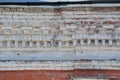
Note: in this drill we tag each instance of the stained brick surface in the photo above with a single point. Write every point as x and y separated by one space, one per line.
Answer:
56 75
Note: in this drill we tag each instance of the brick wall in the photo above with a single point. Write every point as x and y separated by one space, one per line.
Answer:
56 75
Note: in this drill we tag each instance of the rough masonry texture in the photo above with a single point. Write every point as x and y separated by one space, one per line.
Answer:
60 43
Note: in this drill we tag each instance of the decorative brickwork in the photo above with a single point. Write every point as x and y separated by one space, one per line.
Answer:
59 43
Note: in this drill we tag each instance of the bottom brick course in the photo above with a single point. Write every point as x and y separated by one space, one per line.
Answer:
56 74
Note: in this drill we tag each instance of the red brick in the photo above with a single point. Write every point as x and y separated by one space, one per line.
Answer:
55 75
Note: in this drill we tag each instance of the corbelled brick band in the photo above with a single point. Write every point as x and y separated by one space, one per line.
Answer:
79 42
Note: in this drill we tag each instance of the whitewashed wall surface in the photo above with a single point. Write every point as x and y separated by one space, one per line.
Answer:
59 65
63 34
